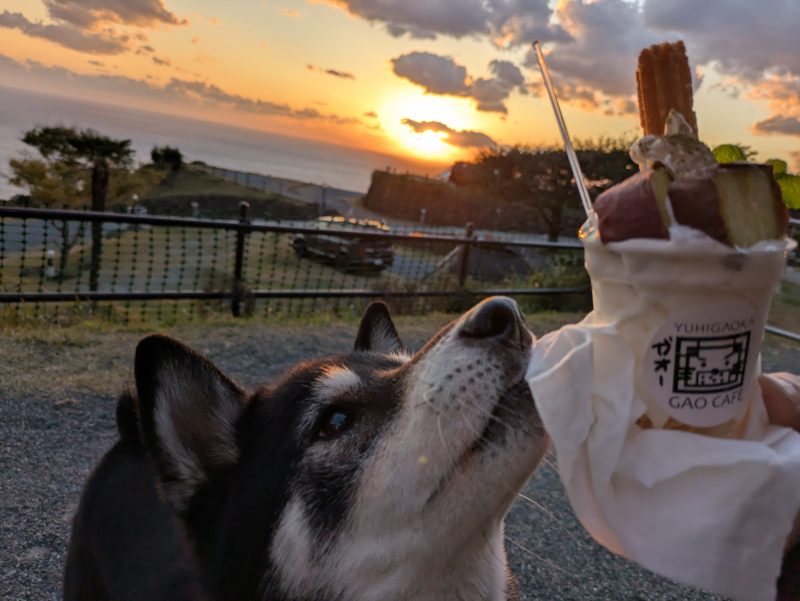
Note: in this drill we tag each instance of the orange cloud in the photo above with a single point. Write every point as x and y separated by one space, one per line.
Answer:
460 139
88 25
782 94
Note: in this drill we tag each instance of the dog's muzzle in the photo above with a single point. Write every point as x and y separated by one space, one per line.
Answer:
498 319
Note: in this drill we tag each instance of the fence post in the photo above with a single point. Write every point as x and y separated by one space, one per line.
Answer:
238 268
463 268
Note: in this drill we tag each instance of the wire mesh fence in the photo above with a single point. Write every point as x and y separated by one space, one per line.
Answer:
58 262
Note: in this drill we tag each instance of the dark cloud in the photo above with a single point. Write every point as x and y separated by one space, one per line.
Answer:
595 69
607 37
754 45
490 94
145 49
778 124
162 62
371 115
506 22
90 14
96 63
743 37
176 91
437 74
101 42
422 18
507 72
442 75
522 22
332 72
462 139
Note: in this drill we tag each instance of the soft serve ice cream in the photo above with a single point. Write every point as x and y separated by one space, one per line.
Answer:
683 258
669 272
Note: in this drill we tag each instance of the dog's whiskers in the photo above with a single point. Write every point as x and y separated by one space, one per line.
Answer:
548 461
439 430
549 514
538 557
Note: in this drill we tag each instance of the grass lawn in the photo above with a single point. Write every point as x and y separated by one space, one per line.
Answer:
195 181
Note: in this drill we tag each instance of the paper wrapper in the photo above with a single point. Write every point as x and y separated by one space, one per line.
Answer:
709 511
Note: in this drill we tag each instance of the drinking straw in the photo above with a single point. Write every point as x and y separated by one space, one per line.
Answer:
580 181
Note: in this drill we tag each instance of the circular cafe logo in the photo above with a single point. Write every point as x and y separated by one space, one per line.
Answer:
697 364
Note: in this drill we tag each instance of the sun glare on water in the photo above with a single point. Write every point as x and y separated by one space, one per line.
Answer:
454 113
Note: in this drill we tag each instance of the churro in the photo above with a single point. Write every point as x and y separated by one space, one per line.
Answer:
664 82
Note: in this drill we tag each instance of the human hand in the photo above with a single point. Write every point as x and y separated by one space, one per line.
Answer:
781 392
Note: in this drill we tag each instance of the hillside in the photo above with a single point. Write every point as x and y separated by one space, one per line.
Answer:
218 198
404 196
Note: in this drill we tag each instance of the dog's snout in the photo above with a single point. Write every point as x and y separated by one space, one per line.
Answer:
497 318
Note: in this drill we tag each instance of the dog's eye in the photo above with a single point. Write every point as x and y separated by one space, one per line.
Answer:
333 422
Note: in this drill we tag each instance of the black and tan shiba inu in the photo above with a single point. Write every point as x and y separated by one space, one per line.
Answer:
370 476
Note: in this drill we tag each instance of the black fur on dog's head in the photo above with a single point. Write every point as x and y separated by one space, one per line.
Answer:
370 475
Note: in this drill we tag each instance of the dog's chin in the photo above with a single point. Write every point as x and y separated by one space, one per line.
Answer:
503 455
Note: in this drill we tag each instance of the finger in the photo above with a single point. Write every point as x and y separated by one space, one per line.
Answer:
781 392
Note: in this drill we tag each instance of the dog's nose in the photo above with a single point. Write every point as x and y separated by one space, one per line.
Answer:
498 318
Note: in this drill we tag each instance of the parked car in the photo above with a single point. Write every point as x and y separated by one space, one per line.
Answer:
347 253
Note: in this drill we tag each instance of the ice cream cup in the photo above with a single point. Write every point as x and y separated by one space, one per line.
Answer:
692 311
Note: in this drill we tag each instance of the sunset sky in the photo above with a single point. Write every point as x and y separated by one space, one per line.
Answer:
435 79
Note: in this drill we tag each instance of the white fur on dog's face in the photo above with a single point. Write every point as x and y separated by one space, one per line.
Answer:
434 472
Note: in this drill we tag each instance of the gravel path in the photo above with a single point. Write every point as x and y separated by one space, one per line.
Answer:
57 397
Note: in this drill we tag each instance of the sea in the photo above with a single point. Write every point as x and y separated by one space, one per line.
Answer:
216 144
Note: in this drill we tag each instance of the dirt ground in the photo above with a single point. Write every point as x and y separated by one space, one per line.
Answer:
58 388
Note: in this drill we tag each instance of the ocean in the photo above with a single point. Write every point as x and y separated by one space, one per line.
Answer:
219 145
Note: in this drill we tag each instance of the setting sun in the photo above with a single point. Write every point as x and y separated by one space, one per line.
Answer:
427 144
414 105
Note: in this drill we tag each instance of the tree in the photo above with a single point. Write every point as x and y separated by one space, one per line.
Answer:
55 185
167 157
543 180
83 149
72 160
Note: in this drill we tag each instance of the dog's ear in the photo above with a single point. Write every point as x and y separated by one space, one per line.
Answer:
377 332
188 410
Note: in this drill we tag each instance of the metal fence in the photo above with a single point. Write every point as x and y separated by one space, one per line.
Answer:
57 260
